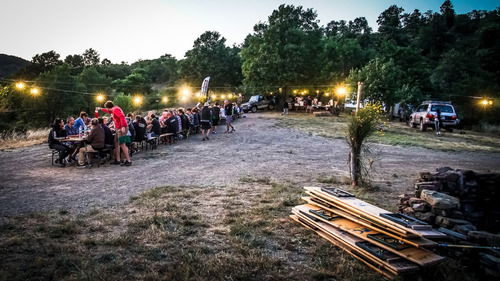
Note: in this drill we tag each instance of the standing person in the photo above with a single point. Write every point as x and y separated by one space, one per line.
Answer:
437 121
228 110
95 141
215 117
205 121
121 127
285 108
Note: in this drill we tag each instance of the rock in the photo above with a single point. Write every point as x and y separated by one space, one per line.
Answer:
427 185
415 200
440 212
464 228
443 169
425 175
428 217
449 222
484 236
408 211
420 207
440 200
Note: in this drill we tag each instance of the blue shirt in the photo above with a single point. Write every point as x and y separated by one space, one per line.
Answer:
71 131
79 123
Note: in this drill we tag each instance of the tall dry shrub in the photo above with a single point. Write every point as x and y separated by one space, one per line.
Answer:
360 127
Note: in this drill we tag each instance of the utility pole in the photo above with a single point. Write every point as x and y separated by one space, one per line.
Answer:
360 86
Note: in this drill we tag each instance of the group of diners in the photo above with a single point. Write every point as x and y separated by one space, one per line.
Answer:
118 135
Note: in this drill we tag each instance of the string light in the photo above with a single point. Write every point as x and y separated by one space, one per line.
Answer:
35 91
20 85
100 97
137 100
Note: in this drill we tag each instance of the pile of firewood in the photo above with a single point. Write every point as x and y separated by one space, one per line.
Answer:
466 206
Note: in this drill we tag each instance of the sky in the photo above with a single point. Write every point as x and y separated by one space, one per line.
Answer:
128 30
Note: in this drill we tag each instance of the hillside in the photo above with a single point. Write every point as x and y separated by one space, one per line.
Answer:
10 65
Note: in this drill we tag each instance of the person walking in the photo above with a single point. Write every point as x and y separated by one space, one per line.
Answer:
205 121
285 108
437 122
121 128
228 110
215 117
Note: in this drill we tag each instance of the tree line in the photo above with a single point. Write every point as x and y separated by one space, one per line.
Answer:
412 56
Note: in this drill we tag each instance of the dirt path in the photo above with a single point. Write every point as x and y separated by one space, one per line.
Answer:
258 149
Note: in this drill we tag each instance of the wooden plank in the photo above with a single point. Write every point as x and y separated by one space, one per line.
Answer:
419 256
416 242
332 240
391 262
373 212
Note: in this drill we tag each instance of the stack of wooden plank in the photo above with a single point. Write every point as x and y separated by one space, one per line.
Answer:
390 243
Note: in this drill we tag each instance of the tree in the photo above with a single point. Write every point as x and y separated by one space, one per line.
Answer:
105 62
211 57
448 13
91 57
136 82
41 63
381 80
283 51
390 24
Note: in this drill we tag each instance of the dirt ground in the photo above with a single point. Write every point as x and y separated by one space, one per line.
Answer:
258 149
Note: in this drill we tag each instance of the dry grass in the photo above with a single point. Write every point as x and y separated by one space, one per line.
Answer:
392 133
15 139
239 232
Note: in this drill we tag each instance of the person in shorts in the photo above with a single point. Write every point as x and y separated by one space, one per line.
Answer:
228 110
122 140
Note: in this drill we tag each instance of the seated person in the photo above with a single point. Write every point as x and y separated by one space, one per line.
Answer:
70 128
140 129
155 126
172 123
94 141
109 139
56 134
80 122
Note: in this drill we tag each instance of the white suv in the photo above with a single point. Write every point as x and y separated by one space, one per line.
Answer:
424 115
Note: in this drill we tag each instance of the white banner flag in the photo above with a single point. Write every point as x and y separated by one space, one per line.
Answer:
204 86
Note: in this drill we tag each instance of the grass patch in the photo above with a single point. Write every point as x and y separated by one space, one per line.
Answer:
394 133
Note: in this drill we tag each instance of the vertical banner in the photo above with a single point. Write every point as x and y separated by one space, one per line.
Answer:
204 86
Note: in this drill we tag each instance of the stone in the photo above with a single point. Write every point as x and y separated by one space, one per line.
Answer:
443 169
408 211
440 212
449 222
440 200
428 217
415 200
464 228
420 207
484 236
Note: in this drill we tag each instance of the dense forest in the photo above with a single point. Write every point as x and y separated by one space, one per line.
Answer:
412 56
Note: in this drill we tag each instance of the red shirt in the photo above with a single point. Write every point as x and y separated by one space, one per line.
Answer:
118 116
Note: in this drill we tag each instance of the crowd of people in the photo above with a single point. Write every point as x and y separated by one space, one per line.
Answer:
120 134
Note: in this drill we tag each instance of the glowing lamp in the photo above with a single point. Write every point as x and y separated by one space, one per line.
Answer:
35 91
20 85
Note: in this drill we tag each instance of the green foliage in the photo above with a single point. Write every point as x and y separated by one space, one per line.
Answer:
283 51
124 101
381 80
211 57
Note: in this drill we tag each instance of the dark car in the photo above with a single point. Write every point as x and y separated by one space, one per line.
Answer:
258 102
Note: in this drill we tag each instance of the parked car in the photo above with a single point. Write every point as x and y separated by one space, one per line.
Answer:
424 115
258 102
401 112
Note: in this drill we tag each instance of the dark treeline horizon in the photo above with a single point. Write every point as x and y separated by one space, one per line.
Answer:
412 56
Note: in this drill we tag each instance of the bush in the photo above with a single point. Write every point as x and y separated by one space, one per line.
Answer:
359 128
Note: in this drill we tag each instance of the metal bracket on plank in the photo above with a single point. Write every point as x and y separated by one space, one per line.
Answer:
389 241
323 214
337 192
376 251
406 221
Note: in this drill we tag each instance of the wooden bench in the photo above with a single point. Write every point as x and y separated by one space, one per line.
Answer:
167 138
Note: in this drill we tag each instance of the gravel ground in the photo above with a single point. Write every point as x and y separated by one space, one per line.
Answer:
258 148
